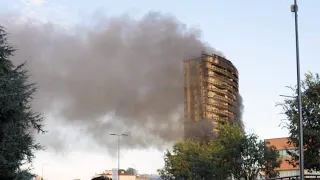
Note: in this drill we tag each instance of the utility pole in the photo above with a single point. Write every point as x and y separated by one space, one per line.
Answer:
42 178
119 136
294 9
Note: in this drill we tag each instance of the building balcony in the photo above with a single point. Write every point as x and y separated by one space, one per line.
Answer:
216 69
222 106
224 92
221 98
228 114
221 78
221 85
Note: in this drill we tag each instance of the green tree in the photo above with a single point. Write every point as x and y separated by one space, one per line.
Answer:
101 178
244 155
18 120
310 88
120 171
231 154
131 171
257 157
272 160
189 160
228 153
24 174
198 160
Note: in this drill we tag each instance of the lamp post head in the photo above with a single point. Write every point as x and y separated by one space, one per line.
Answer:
114 134
294 8
288 96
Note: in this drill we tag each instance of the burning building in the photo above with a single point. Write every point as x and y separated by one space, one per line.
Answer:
211 94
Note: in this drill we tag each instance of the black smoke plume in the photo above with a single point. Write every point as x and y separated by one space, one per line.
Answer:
123 75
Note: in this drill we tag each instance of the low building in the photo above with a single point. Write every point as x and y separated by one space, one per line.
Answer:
148 177
282 146
122 175
125 177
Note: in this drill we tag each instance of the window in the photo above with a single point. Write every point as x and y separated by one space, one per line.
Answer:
284 154
289 173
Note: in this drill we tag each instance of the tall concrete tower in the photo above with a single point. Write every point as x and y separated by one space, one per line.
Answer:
211 92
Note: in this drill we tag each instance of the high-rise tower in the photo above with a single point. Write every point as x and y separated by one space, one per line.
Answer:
211 92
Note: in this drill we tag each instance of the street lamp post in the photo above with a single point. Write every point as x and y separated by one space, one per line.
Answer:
119 136
301 169
42 170
294 9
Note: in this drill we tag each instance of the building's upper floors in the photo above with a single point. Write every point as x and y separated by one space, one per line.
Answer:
211 88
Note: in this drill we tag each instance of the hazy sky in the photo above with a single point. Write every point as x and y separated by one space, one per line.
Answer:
257 36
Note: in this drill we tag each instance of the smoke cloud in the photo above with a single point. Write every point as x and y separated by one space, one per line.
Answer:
239 112
122 76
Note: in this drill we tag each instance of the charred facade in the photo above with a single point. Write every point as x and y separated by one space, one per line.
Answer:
211 95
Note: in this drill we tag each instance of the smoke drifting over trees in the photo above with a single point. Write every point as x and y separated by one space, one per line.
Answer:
123 75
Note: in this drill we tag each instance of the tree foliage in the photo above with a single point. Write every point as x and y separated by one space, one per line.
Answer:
18 120
231 154
24 175
101 178
255 157
131 171
272 160
189 160
120 171
310 88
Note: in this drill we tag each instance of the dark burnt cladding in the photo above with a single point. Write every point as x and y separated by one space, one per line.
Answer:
211 95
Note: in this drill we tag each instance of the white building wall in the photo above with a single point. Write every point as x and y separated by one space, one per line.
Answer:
125 177
312 172
296 172
288 173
